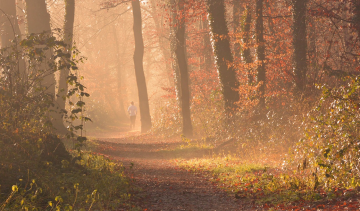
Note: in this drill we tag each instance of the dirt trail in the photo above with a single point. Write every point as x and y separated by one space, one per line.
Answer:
165 187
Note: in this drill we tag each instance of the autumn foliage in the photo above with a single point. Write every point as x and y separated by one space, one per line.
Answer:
317 121
258 79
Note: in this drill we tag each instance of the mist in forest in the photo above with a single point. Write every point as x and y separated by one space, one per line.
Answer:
189 66
106 38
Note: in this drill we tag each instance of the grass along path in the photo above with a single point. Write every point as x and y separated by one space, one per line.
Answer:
268 187
172 175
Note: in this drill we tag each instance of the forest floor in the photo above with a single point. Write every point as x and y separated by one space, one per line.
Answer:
160 184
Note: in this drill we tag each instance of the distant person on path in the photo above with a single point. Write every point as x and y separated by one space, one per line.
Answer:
132 110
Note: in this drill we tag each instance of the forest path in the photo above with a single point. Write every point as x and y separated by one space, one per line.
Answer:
164 186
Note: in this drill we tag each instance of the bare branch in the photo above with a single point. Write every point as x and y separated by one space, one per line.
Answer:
112 4
97 32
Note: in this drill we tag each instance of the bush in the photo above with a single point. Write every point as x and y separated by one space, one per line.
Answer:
330 147
92 181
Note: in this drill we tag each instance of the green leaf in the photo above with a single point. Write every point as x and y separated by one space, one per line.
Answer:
80 103
75 111
85 94
81 139
87 119
79 127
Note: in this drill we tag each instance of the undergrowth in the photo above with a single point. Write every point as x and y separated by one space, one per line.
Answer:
37 172
265 185
92 182
194 144
323 166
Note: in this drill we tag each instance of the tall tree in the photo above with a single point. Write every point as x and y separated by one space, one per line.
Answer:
68 39
173 42
8 22
223 55
38 20
207 53
10 31
180 52
120 74
246 40
312 51
162 40
259 31
139 68
300 44
237 29
37 16
356 19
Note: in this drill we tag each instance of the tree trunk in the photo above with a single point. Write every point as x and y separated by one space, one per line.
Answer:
120 89
236 23
68 39
139 69
312 52
261 77
8 22
173 42
246 40
356 19
162 42
180 52
38 20
223 55
10 31
345 28
37 16
20 11
207 46
300 44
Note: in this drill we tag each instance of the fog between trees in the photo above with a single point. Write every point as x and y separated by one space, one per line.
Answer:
236 58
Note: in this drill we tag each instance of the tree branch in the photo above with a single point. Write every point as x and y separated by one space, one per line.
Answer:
109 5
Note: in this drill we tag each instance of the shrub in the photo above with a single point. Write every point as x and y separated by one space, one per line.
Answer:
330 147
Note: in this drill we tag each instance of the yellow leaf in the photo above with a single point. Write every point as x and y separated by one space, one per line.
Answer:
15 188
